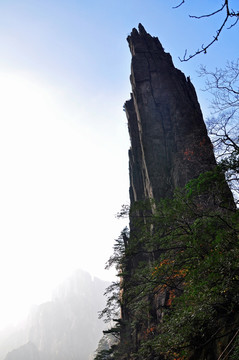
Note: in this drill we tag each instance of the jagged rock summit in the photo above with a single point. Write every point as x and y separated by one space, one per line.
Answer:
169 141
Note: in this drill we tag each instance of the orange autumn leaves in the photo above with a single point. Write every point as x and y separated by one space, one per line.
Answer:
163 262
169 278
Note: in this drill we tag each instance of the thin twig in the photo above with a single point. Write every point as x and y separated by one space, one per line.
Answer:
228 345
175 7
204 48
208 15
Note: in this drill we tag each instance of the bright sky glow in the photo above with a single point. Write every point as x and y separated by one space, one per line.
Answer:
64 69
54 194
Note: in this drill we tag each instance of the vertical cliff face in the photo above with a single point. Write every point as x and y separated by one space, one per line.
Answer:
169 147
169 142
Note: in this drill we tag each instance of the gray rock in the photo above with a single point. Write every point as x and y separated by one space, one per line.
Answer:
169 141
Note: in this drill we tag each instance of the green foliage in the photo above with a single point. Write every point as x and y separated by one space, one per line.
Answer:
180 271
112 292
107 346
104 355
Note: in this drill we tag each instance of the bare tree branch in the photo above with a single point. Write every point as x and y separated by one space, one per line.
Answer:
205 48
229 14
208 15
177 6
223 126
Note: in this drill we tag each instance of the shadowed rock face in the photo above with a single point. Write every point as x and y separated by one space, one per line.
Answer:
169 142
169 147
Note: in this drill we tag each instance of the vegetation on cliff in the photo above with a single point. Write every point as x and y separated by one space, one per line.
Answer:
181 266
194 281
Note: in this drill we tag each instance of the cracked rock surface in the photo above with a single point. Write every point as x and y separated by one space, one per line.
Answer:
169 141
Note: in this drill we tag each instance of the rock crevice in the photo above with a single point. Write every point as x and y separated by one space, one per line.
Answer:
169 141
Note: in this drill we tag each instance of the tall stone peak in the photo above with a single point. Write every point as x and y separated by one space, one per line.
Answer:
169 147
169 141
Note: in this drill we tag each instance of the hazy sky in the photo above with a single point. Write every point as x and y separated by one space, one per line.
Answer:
64 76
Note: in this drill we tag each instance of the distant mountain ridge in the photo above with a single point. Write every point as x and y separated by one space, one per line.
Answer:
66 327
24 352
